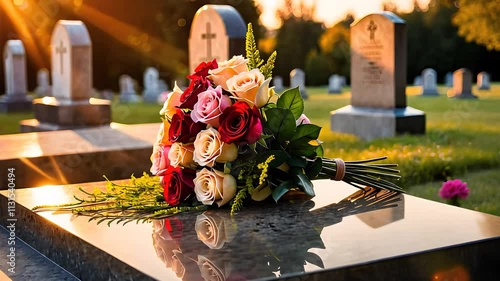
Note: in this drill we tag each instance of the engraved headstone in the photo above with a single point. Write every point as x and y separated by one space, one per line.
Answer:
483 81
378 81
448 79
298 79
462 84
334 84
127 89
151 85
417 81
217 32
278 84
15 98
72 105
43 88
429 82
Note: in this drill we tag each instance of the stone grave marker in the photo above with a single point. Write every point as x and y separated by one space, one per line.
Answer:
43 88
278 84
483 81
298 79
462 84
151 85
448 79
334 84
15 98
217 32
343 81
378 81
429 82
417 81
72 106
127 90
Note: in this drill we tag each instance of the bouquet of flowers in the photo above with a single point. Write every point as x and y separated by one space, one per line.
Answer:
230 138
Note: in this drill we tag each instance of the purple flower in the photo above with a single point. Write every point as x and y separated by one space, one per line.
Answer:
454 189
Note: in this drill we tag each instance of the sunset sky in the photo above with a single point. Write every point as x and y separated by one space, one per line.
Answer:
332 11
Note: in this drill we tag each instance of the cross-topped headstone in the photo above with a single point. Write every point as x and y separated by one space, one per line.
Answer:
217 32
15 78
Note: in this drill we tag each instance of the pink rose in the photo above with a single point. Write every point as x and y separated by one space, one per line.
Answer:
454 189
210 105
159 158
302 120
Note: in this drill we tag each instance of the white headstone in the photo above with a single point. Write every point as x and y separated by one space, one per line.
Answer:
127 89
448 79
278 84
71 53
43 87
483 81
151 85
462 84
334 84
217 32
429 82
298 79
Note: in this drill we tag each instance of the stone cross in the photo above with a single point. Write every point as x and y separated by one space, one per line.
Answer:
429 82
372 27
217 32
483 81
71 61
298 79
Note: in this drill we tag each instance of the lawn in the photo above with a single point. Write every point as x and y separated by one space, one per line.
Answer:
462 140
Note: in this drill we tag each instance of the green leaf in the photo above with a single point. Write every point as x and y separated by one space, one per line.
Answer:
297 161
306 131
313 168
282 189
314 259
305 184
281 122
292 100
319 151
301 148
280 157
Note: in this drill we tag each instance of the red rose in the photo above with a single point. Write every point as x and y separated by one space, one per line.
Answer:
177 184
239 123
190 96
183 128
201 71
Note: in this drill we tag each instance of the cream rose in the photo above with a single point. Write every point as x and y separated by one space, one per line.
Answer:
214 230
181 155
247 85
228 69
170 105
209 148
211 272
214 186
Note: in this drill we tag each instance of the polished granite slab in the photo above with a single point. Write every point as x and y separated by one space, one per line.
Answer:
341 233
74 156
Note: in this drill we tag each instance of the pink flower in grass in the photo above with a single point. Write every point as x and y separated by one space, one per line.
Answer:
454 189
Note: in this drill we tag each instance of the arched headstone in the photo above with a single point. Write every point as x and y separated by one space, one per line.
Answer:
462 84
483 81
298 79
429 82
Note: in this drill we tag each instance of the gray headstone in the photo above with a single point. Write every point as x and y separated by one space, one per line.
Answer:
151 85
278 84
162 86
127 89
334 84
107 95
217 32
448 79
43 88
15 98
429 82
417 81
298 79
73 105
483 81
343 81
378 81
462 84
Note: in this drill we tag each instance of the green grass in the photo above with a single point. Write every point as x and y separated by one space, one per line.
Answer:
462 138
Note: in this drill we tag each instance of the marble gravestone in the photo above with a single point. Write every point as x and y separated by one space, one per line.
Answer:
417 81
278 84
127 89
483 81
15 98
298 79
151 84
462 84
341 234
334 84
43 88
72 106
217 32
448 79
378 81
429 82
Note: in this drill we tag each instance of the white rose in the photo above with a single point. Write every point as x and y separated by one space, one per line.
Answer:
214 186
214 230
209 148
